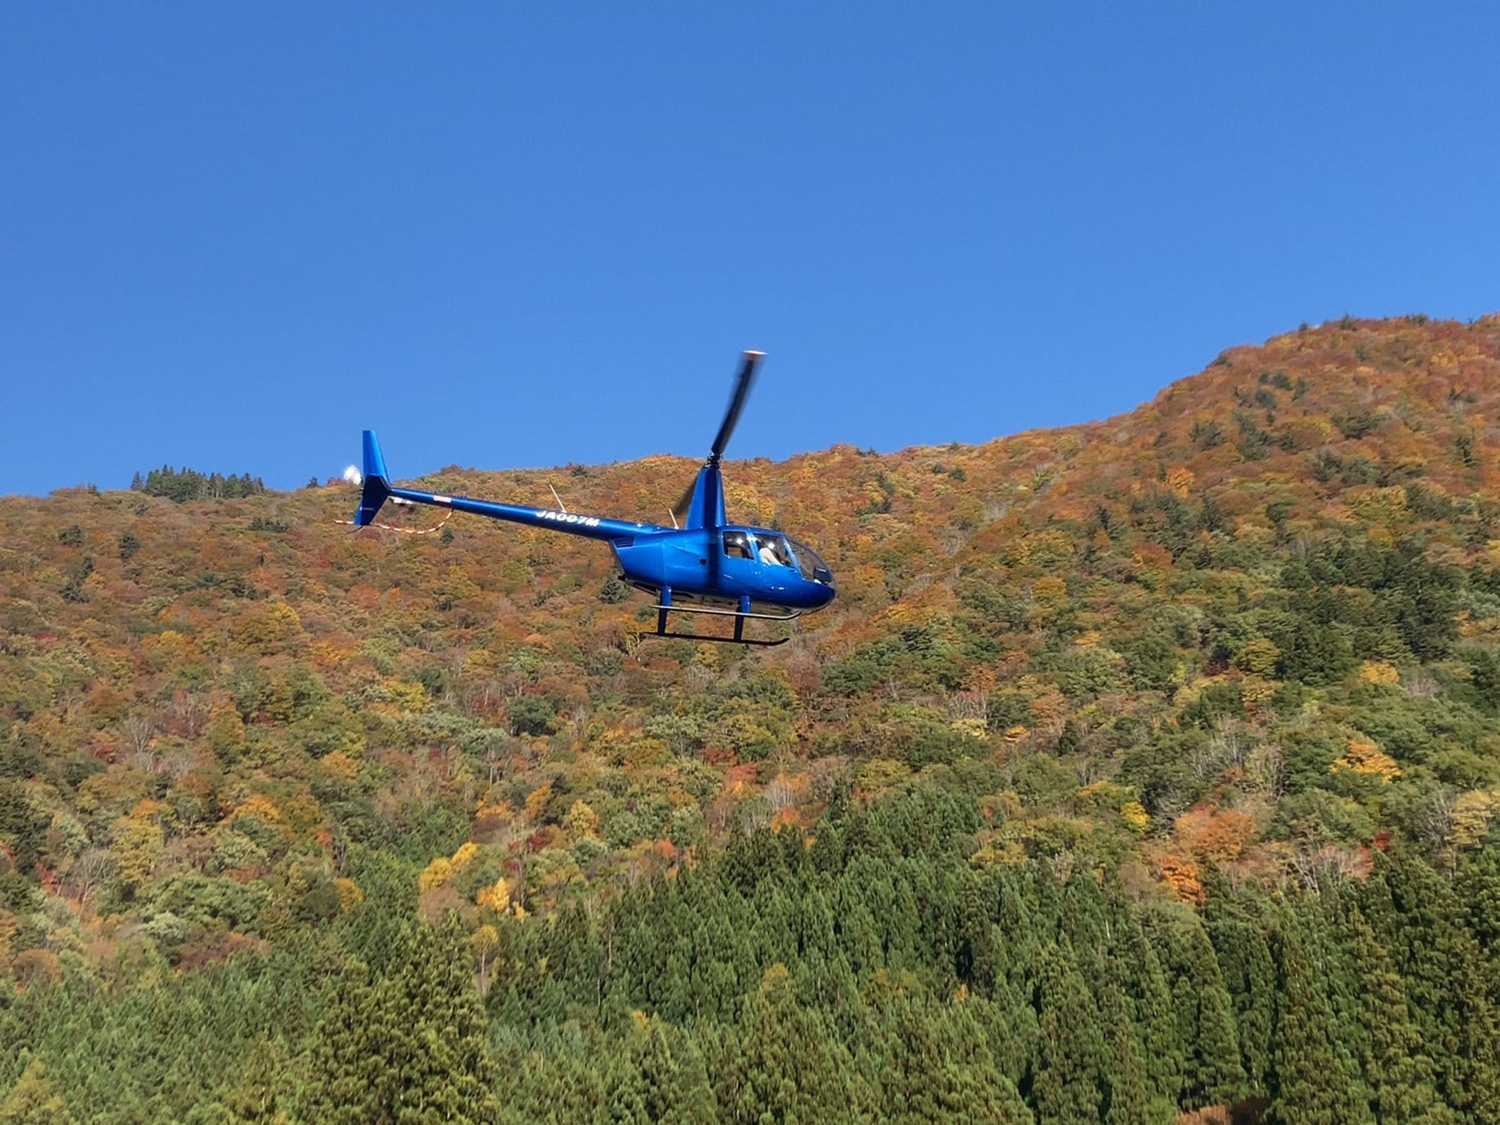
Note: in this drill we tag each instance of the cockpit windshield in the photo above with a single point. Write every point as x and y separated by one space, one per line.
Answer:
812 567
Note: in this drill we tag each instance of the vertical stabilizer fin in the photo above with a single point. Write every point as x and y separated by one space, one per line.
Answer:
377 483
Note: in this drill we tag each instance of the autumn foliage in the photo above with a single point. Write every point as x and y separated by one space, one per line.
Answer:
1236 637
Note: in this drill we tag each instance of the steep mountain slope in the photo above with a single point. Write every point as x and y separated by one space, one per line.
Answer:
1283 526
1242 633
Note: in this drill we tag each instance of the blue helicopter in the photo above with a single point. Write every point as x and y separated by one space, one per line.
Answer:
702 564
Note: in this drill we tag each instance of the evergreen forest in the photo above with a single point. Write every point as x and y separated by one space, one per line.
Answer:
1146 770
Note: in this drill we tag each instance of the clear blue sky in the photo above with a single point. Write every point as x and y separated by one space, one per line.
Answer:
518 234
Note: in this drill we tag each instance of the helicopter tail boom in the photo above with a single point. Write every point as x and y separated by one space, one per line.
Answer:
377 489
377 484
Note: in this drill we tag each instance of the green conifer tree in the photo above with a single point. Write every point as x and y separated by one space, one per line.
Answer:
782 1065
661 1077
932 1063
1396 1066
1128 1098
1213 1074
1311 1084
1480 1037
1070 1075
351 1078
33 1101
263 1092
975 1078
1446 986
1249 971
1478 885
410 1048
1145 982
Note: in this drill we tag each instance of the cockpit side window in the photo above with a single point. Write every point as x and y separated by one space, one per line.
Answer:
772 549
737 545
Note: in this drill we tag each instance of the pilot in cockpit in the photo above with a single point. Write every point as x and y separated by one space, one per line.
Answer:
772 553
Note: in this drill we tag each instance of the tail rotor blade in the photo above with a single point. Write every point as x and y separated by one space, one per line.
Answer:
742 385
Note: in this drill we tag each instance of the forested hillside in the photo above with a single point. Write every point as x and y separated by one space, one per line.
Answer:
1140 768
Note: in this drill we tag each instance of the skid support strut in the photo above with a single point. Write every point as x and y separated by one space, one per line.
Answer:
663 609
740 615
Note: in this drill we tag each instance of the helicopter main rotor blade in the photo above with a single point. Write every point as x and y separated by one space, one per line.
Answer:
736 402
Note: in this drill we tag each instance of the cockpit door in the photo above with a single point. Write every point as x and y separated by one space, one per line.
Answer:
778 567
739 568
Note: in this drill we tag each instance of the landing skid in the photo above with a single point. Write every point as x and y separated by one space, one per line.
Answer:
664 608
